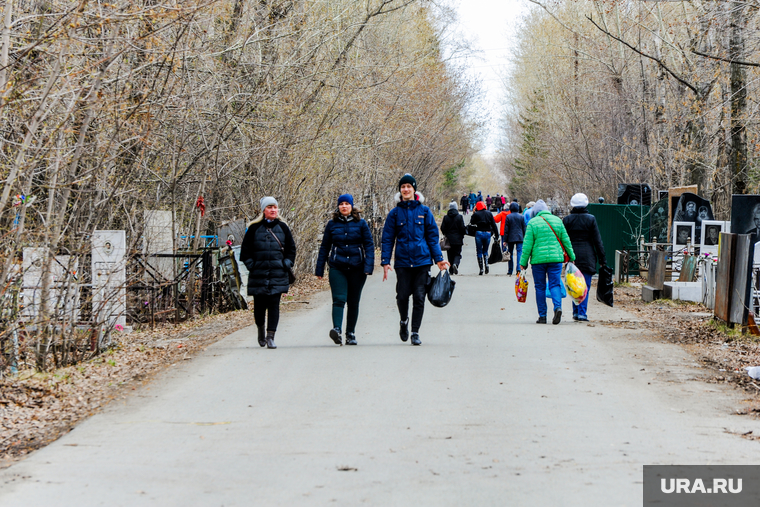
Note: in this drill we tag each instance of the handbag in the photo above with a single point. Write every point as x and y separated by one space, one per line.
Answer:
471 229
506 256
445 245
496 253
291 275
566 258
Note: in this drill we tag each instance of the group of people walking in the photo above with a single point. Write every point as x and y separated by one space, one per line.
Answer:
410 236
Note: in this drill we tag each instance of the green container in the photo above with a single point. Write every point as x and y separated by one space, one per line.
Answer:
621 226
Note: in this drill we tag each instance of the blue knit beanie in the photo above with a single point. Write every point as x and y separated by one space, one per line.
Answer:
346 198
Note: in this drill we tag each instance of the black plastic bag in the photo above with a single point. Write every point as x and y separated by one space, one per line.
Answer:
496 253
440 291
604 286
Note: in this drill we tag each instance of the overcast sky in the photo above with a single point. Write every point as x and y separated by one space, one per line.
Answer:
491 25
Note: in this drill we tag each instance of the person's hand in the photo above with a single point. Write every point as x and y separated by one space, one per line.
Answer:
386 268
443 265
320 277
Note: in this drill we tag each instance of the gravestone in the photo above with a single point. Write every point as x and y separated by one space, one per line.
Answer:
725 277
157 239
109 278
655 277
742 258
63 298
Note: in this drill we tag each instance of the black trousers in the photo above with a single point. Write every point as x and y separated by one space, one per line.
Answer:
412 282
267 304
454 254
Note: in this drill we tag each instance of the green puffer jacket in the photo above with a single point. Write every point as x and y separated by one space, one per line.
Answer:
541 245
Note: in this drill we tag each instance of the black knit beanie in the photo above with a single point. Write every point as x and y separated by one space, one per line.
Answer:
407 178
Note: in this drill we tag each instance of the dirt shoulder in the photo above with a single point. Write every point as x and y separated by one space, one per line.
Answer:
725 352
38 408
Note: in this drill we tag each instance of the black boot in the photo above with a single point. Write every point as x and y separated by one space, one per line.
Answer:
485 262
416 339
335 335
270 340
480 265
350 339
453 269
262 336
403 331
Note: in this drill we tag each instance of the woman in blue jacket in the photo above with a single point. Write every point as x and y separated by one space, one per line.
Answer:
411 228
347 246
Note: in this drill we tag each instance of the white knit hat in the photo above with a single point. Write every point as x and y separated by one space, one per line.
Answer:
579 201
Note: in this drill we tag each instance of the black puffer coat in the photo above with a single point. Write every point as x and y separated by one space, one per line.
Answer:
587 242
514 225
453 227
348 244
483 221
264 259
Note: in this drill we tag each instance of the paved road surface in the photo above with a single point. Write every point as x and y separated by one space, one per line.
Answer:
492 409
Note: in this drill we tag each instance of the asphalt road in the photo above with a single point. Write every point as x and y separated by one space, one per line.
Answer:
492 409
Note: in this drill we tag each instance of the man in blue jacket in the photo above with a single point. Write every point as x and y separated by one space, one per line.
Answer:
411 227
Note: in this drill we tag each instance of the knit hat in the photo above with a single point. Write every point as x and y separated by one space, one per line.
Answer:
453 205
514 207
408 178
480 205
268 201
530 204
539 207
579 201
346 198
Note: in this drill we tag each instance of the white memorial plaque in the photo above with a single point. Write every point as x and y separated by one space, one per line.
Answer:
109 277
63 297
158 240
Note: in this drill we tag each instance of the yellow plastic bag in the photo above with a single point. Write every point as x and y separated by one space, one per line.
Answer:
575 283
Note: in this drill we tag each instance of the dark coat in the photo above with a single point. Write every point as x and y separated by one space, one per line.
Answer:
411 227
483 221
452 227
514 225
464 201
264 259
587 242
346 245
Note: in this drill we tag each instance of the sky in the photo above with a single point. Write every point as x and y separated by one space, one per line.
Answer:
490 25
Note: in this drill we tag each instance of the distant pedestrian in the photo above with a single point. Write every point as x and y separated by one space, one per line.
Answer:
489 202
587 244
473 199
410 228
465 204
485 225
452 227
513 235
348 248
501 218
546 240
528 211
268 251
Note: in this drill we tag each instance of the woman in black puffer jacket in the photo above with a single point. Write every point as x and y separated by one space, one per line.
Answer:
587 245
268 251
452 227
347 246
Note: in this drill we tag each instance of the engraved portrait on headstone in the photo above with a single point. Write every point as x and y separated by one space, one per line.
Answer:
692 208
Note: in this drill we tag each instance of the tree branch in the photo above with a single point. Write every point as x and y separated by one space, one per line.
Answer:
659 62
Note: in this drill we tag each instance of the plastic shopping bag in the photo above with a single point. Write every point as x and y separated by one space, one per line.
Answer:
521 288
604 286
441 289
576 283
563 290
496 254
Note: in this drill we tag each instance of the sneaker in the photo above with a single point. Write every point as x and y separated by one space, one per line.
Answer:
575 316
541 320
453 269
557 317
350 339
335 335
403 331
582 319
416 339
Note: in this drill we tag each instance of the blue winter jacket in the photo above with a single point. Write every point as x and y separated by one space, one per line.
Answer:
412 228
346 244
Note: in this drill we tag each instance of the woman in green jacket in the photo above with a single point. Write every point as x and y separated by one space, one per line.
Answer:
545 237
